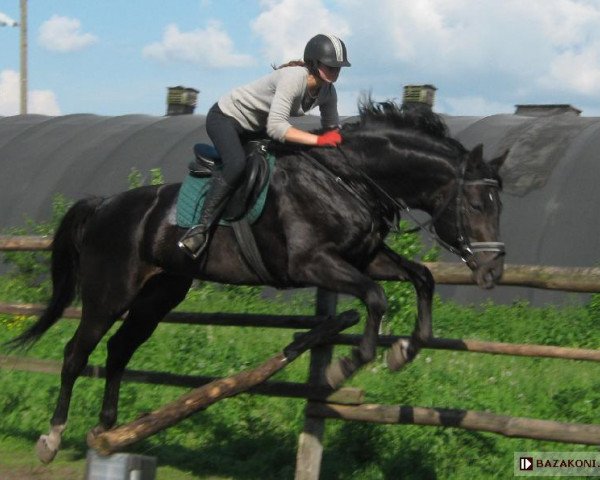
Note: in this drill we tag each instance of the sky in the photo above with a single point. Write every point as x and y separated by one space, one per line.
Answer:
115 57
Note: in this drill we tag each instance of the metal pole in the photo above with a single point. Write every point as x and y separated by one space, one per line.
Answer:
23 50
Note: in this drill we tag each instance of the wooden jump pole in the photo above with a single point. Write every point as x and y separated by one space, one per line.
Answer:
200 398
466 419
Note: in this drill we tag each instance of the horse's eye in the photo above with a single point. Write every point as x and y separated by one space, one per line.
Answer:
476 205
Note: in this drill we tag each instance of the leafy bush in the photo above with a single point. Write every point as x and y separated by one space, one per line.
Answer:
27 278
137 179
402 308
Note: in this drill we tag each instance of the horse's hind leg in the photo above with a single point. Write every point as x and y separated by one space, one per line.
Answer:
95 322
388 265
159 296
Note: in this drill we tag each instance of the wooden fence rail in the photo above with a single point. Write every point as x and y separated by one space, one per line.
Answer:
344 395
568 279
467 419
347 403
301 322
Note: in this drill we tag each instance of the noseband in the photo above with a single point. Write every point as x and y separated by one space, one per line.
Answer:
466 249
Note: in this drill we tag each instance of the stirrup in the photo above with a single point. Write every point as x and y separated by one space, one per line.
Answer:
194 244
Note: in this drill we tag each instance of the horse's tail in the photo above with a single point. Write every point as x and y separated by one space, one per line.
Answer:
64 267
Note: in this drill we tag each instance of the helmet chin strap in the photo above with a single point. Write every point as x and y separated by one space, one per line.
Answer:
322 69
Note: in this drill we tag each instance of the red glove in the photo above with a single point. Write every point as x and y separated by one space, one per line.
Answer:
332 138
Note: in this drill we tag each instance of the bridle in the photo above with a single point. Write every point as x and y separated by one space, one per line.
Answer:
466 248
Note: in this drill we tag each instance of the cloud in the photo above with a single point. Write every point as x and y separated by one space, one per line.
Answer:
42 102
211 47
474 105
575 71
286 25
482 54
566 23
63 34
348 102
6 20
453 36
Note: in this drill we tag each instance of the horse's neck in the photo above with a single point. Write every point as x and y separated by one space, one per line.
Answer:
414 178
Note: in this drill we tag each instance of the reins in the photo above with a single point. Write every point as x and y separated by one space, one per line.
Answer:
391 223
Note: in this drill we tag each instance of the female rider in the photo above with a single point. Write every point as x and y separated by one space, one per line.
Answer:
267 104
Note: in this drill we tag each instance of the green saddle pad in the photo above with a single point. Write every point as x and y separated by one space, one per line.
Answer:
193 192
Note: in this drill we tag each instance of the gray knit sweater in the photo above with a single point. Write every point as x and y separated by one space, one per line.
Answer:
270 102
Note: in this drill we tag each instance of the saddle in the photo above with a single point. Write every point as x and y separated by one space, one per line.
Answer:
255 178
245 205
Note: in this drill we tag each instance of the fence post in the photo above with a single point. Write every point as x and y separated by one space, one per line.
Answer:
310 447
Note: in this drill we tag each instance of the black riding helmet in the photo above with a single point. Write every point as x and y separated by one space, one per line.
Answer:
328 50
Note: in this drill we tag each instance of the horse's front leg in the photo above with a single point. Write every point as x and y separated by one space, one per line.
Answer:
329 271
388 265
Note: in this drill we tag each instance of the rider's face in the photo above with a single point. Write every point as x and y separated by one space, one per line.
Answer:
328 74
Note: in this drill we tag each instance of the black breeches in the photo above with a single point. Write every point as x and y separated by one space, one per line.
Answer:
225 132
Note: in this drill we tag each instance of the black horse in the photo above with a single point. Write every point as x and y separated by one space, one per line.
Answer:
325 220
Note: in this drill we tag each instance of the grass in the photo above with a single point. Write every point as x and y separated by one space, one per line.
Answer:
255 437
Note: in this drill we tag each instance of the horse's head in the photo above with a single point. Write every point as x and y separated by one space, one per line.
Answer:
412 157
468 221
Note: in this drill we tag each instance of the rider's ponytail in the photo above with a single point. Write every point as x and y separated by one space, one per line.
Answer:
293 63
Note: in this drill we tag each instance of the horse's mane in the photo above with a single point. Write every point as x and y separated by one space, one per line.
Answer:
417 124
390 113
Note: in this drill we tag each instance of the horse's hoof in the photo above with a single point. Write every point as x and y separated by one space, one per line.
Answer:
44 452
399 355
92 435
338 372
334 376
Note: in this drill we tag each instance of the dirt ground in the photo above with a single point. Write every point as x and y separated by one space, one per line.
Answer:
42 473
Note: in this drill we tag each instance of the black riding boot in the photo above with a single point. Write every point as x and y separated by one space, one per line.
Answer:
196 238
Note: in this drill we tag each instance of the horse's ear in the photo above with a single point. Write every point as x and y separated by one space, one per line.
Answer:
476 155
497 162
